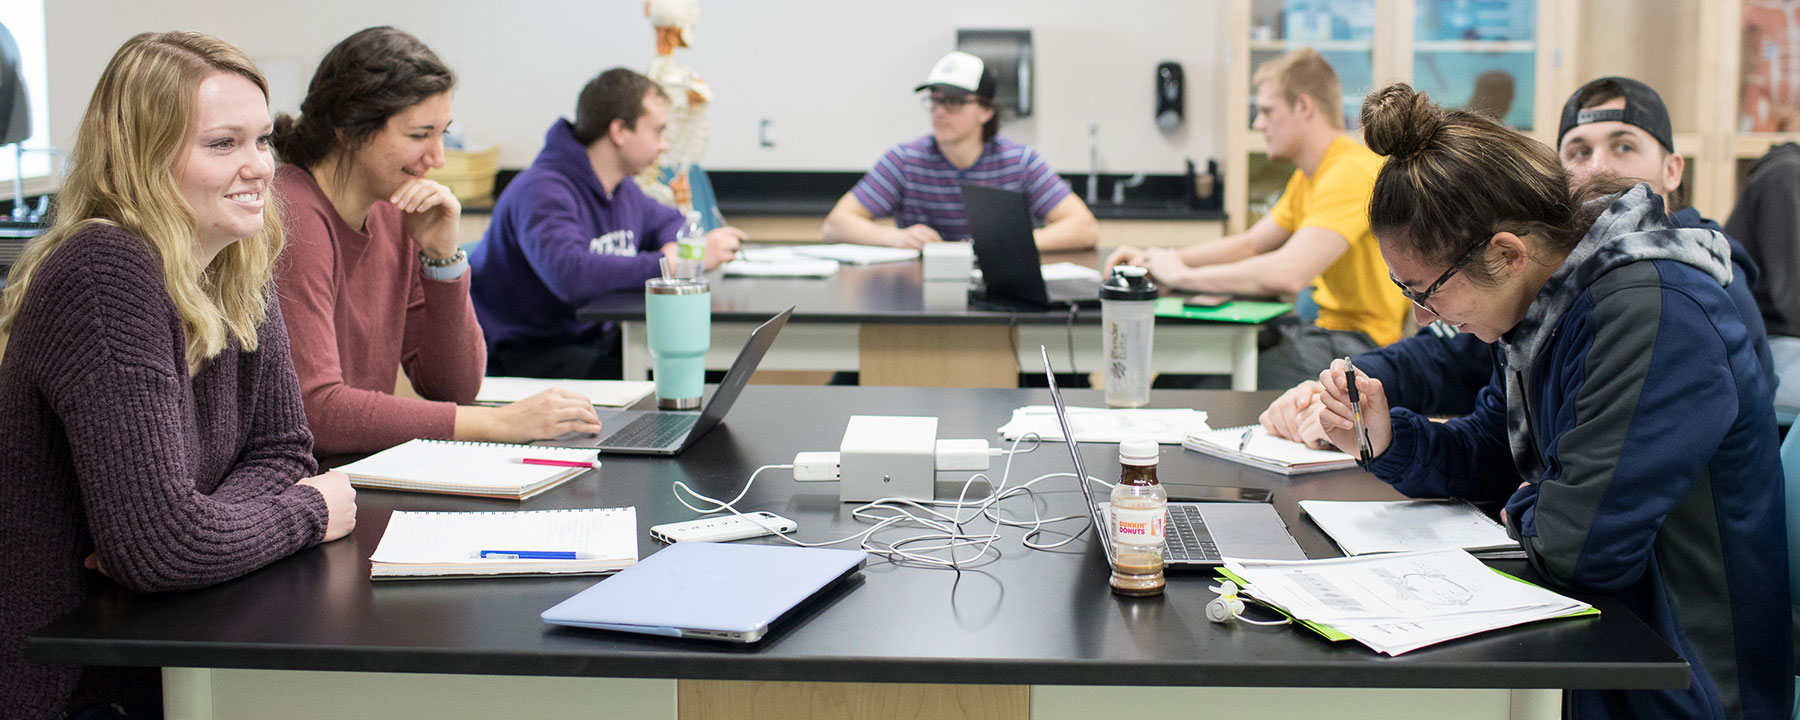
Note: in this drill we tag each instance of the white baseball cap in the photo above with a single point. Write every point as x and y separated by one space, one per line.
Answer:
961 72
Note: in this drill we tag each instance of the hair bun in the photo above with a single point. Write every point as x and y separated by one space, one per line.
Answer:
1399 121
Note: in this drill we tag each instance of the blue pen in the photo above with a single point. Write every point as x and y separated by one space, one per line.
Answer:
535 555
1244 441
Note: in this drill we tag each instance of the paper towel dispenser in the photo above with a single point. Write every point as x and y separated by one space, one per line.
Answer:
1008 54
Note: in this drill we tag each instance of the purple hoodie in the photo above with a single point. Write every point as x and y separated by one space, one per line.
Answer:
557 241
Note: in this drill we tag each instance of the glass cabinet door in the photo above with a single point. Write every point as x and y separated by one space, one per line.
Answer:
1342 32
1478 55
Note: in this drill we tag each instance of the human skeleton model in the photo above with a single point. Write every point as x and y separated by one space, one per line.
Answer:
667 180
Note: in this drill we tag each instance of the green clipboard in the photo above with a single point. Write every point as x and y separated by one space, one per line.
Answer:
1236 311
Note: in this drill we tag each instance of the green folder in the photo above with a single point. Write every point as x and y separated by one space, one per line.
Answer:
1336 635
1236 311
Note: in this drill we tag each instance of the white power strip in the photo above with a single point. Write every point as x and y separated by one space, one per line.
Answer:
723 528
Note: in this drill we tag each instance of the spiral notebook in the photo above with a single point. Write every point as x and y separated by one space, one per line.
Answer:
1266 451
486 544
455 467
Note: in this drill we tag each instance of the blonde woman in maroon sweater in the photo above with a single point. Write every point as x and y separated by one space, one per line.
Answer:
151 432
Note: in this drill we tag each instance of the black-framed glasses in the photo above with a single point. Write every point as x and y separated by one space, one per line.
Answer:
946 101
1422 298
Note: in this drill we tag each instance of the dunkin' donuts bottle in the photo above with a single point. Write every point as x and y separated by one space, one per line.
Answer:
1139 513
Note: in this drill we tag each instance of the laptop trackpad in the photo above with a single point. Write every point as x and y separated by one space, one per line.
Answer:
1250 530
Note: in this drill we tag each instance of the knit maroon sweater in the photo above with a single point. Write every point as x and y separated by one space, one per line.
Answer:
108 446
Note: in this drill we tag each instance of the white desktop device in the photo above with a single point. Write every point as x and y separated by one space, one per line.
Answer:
884 456
950 261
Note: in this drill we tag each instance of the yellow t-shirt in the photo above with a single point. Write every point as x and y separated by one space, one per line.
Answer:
1354 293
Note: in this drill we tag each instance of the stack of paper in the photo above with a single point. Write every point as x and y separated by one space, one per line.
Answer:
496 470
1266 451
1402 602
451 544
1365 527
778 262
1106 424
611 393
849 254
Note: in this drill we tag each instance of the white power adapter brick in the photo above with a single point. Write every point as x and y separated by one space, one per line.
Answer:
962 454
816 467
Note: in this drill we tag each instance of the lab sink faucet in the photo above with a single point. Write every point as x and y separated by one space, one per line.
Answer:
1093 188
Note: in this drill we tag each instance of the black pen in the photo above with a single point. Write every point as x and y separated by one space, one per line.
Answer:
1362 433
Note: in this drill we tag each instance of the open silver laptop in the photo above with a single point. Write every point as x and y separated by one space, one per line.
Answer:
664 432
1199 534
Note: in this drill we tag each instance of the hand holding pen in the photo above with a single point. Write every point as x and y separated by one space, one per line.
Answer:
1369 438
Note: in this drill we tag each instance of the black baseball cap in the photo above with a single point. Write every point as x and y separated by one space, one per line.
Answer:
1643 108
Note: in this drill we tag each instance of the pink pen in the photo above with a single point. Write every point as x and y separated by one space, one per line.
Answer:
561 463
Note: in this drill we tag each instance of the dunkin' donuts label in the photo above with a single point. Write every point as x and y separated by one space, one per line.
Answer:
1138 527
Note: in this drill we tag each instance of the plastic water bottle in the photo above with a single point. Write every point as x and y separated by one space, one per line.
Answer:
1140 512
691 246
1127 319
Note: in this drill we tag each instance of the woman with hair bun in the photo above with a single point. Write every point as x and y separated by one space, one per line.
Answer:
373 279
151 434
1631 433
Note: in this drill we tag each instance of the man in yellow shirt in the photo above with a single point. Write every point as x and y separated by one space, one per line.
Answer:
1317 235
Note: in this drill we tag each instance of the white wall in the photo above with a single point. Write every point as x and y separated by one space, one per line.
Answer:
834 76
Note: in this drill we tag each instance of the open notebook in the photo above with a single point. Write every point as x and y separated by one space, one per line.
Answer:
454 467
453 544
1266 451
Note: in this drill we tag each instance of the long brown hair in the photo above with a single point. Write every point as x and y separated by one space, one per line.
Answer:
1455 178
121 174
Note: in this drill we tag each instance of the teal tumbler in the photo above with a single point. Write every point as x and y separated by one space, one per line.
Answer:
678 318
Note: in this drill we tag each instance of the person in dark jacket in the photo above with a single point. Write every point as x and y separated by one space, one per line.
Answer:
575 226
1767 219
1612 125
1632 436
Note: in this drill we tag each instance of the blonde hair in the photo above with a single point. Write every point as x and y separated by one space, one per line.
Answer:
121 174
1305 72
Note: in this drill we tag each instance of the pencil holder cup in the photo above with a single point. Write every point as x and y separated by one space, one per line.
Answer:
678 322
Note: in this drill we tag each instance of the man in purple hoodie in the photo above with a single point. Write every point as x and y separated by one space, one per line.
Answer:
574 226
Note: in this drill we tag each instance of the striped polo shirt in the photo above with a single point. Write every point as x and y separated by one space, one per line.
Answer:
914 183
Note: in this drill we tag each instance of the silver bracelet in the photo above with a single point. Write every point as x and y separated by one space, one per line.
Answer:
445 269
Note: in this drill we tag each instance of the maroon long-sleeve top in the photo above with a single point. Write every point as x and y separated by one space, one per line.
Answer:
359 309
108 446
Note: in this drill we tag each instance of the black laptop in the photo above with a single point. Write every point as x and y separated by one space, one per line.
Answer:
1006 252
668 432
1199 534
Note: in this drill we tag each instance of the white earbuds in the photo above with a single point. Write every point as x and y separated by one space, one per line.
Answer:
1228 608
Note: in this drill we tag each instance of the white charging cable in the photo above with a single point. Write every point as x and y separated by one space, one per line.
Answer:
947 532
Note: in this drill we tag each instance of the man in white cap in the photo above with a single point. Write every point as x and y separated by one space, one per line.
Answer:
918 183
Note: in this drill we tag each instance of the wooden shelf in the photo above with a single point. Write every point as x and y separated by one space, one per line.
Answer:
1482 47
1319 45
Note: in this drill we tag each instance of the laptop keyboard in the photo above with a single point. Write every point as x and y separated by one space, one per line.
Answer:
1186 538
653 430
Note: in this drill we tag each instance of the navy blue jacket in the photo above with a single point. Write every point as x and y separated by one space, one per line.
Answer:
1633 405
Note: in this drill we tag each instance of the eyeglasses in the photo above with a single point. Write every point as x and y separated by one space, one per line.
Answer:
952 103
1423 298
